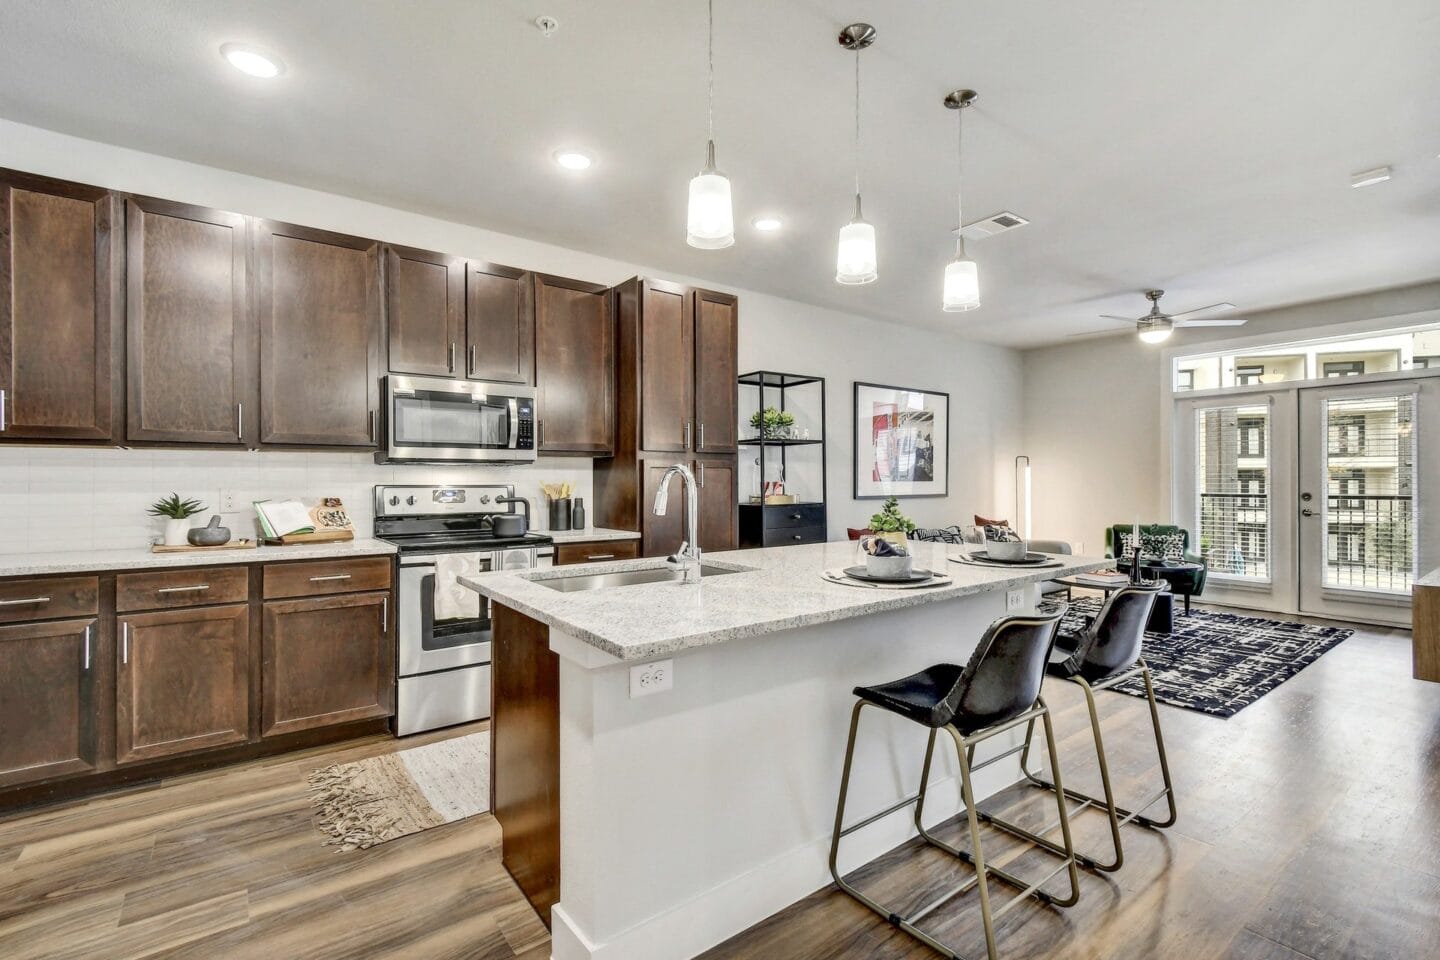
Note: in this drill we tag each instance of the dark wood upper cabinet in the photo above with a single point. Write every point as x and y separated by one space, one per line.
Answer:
667 384
717 330
574 367
425 311
318 309
191 338
182 681
327 660
49 711
499 324
718 524
59 310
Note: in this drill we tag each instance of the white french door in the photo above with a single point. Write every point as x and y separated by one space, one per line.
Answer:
1314 499
1369 465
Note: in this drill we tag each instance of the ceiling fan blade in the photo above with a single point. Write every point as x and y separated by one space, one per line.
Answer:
1107 316
1094 333
1223 305
1229 322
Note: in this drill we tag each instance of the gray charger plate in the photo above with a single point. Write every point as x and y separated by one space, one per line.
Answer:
1031 559
918 575
1001 565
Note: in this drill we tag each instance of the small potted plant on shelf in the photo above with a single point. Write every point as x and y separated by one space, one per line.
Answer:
772 424
177 514
890 524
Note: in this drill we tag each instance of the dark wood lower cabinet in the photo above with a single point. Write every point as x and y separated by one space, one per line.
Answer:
596 551
525 755
182 681
327 660
48 707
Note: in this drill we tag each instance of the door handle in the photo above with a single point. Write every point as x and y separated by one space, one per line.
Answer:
1307 512
384 616
701 465
370 425
686 433
23 601
471 370
196 588
333 576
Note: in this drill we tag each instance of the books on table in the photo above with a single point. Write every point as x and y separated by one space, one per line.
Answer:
281 518
1102 579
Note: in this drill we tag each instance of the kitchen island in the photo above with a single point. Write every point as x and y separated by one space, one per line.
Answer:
667 756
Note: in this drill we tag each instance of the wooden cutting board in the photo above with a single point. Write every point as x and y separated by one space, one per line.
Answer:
188 548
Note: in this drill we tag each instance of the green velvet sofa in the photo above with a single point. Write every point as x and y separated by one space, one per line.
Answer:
1185 583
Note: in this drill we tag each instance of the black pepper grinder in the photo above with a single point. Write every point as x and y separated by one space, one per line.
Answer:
577 515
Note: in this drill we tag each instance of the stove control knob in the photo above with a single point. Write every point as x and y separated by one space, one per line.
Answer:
394 501
410 500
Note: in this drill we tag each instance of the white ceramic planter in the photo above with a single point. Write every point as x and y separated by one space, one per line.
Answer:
175 531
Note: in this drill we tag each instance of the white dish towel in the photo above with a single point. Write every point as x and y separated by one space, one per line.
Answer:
452 601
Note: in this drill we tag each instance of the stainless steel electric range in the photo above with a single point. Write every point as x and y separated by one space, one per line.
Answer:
443 533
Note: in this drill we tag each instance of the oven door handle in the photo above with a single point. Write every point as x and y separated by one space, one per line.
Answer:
514 441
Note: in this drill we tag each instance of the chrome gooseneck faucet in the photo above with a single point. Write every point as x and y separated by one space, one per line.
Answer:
687 558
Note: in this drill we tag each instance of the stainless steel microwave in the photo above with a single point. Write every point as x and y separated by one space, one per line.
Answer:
438 420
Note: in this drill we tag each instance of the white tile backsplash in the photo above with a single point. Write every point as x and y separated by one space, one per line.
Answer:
73 498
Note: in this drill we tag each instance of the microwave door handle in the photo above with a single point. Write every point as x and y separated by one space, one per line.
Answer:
514 441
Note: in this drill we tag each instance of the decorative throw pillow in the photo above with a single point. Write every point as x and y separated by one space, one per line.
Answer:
1166 546
1000 533
982 522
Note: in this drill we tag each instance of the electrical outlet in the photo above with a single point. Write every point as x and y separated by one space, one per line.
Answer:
229 501
648 678
1014 600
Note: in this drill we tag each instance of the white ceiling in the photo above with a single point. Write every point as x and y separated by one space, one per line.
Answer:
1201 147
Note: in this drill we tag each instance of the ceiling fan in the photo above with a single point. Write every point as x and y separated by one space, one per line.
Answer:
1157 325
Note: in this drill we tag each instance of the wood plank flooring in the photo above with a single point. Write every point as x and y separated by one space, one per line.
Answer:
1309 830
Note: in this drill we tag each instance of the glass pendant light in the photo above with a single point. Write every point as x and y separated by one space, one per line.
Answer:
855 258
710 220
962 277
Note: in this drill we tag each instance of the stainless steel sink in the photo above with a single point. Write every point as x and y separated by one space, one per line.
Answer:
625 578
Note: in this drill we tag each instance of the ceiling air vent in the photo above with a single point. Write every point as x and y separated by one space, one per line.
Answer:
998 223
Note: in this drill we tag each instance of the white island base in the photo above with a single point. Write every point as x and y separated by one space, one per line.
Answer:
690 814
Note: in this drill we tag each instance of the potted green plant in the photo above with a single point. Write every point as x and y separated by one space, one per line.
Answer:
772 423
891 524
177 513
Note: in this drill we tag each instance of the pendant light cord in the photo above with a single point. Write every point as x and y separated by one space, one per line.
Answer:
710 79
857 131
960 183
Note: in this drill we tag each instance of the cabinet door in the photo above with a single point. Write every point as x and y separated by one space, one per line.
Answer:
182 681
716 336
190 333
48 702
425 310
574 367
327 660
499 324
58 310
667 352
318 303
660 536
719 511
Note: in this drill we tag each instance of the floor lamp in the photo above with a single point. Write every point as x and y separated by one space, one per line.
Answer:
1022 489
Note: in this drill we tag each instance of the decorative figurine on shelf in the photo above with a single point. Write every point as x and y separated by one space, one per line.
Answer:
772 424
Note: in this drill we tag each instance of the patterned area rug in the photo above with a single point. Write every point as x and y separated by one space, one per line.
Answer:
1220 663
379 799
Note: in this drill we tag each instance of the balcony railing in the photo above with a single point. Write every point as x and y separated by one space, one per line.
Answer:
1235 533
1370 541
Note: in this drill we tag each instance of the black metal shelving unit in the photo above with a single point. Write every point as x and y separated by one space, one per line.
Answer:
779 524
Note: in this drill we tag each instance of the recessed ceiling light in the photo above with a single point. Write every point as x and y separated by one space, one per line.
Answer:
767 224
251 60
1368 178
573 159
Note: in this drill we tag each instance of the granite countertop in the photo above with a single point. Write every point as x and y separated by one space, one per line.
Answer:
589 535
777 588
140 558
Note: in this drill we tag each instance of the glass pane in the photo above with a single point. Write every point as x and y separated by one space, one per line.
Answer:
1370 495
1232 484
441 420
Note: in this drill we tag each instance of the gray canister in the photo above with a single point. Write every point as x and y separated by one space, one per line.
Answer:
560 514
577 515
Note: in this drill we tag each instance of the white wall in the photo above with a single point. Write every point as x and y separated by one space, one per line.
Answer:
88 498
1095 413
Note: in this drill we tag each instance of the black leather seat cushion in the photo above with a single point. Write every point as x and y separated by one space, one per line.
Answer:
919 697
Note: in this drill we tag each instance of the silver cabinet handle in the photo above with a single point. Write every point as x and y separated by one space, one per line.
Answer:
23 601
370 425
124 643
452 356
686 433
333 576
700 443
384 615
2 409
601 556
198 586
87 647
701 465
239 421
540 428
471 369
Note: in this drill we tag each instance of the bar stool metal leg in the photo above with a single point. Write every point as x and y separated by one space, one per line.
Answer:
964 749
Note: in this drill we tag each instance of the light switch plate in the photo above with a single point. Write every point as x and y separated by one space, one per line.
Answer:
655 677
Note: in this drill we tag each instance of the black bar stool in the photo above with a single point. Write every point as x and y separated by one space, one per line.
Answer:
1106 653
998 690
